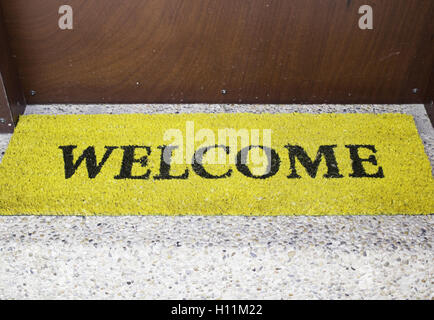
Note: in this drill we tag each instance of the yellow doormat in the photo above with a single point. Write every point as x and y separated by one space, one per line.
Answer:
216 164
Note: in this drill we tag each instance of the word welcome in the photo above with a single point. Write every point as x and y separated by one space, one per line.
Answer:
297 158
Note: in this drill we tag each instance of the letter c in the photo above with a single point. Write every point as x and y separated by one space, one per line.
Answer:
198 166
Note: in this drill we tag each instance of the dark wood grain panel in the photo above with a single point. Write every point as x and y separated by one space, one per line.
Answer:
429 107
12 102
259 51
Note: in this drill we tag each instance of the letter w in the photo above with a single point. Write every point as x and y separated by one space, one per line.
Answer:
312 166
89 154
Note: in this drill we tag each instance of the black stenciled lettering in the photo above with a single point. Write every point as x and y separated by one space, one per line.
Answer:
129 159
93 168
199 168
165 161
312 166
358 169
272 167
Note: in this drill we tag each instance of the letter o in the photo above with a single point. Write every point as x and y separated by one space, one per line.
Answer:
273 162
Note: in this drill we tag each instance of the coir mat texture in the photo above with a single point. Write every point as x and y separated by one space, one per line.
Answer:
216 164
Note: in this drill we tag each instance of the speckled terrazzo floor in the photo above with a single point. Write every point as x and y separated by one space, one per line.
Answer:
158 257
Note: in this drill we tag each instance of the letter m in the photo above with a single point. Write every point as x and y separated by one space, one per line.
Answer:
89 154
312 166
244 310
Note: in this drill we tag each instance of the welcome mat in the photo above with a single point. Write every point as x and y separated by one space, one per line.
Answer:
216 164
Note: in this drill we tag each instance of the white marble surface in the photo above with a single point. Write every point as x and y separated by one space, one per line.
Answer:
153 257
